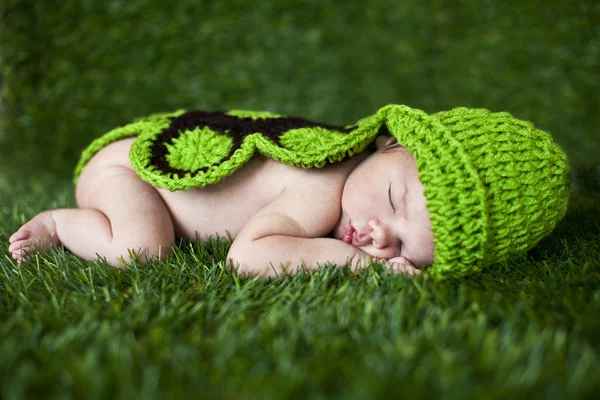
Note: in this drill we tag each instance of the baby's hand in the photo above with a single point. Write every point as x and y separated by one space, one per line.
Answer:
401 265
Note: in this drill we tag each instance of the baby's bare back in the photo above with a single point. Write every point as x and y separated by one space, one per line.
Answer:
221 209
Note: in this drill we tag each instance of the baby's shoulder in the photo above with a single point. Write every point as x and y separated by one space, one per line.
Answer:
308 199
310 187
328 175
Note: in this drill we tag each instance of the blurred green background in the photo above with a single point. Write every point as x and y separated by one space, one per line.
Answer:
73 70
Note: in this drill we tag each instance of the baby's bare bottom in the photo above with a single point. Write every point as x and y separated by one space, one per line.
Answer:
119 214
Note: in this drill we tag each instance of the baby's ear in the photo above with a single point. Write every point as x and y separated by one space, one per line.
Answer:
385 141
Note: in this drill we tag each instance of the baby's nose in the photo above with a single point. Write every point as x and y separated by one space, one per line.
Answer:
379 234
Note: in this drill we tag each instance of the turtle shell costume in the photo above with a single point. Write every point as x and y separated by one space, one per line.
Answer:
495 185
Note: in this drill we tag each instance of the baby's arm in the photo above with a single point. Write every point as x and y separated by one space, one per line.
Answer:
268 255
290 232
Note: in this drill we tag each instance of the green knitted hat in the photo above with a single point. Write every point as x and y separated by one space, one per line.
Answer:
495 185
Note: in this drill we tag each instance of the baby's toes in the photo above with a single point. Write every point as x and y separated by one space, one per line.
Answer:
16 245
19 248
20 256
16 255
19 235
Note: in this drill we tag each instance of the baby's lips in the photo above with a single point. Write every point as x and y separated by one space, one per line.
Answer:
349 233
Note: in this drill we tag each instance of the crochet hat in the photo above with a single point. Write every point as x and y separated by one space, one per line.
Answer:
494 185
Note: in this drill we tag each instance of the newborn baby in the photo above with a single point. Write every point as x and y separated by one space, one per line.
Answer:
368 207
454 191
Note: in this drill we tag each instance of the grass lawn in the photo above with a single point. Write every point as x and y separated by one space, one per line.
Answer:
70 71
189 327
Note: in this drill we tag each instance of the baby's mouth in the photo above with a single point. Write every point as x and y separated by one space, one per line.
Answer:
347 238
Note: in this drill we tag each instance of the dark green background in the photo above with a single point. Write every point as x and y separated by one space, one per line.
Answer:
73 70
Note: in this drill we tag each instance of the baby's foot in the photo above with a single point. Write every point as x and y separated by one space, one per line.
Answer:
35 235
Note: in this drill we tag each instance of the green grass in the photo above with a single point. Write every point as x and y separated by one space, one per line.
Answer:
71 71
190 327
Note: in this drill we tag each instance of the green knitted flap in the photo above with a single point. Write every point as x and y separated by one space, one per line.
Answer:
184 150
199 148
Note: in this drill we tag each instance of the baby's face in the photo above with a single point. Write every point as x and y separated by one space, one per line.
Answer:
383 208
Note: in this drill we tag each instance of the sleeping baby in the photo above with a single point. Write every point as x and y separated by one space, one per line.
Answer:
450 193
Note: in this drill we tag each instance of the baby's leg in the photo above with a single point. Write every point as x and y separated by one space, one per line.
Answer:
118 212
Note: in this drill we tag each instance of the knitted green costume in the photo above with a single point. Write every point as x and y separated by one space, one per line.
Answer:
494 185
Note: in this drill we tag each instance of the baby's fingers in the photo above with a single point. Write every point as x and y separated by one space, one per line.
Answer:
406 269
401 265
401 260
